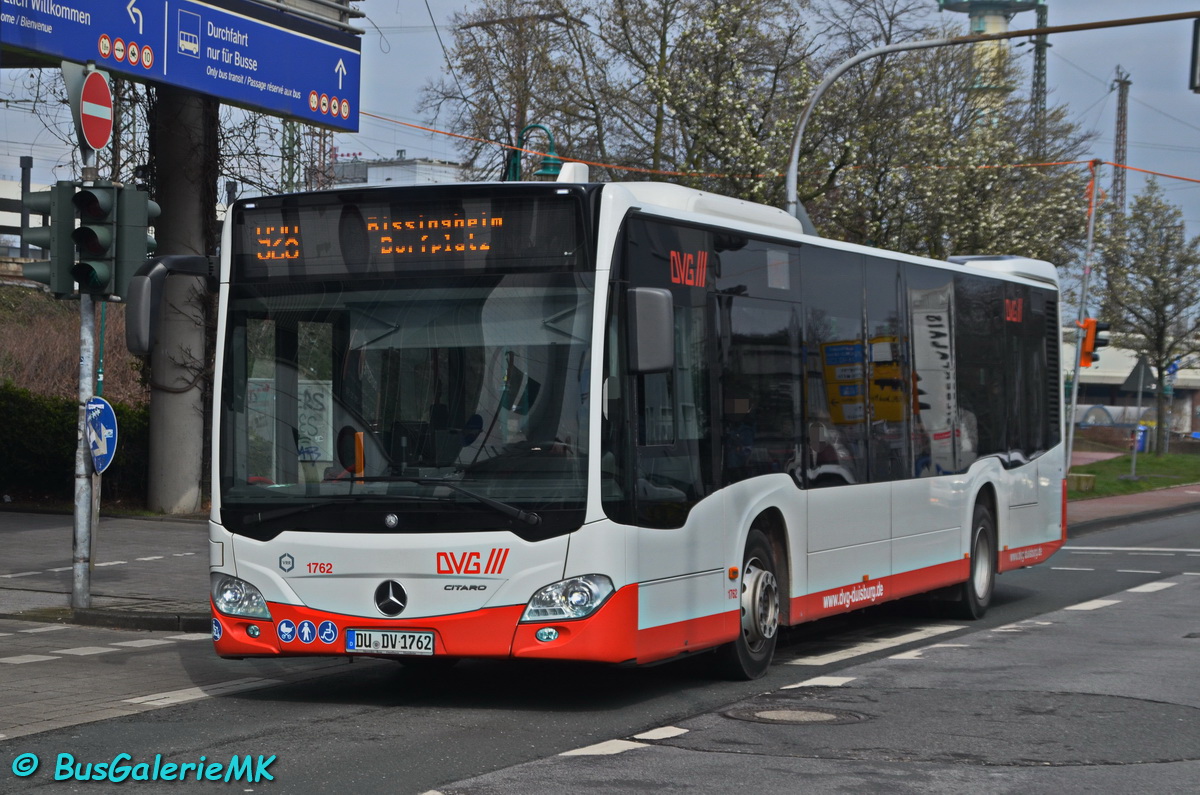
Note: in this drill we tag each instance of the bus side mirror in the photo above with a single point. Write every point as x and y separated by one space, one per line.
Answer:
651 330
143 305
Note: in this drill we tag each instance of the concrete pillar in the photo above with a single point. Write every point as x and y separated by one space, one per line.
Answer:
179 360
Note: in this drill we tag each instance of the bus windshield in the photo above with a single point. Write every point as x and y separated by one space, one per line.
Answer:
429 397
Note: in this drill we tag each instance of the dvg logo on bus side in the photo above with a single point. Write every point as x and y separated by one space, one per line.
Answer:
390 598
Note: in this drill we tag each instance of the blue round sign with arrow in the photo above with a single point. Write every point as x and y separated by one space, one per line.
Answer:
101 432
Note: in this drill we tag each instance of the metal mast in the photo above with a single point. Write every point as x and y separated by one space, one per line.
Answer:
1121 151
1037 95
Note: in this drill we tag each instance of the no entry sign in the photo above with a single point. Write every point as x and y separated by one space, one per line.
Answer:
95 111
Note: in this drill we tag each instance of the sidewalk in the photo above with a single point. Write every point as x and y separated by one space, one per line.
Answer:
153 573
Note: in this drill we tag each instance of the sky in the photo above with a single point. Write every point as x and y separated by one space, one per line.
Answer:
401 52
1164 115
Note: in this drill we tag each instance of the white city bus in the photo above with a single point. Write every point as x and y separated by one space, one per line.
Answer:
610 422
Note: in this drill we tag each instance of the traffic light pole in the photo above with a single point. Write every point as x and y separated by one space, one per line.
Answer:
1083 288
87 482
81 550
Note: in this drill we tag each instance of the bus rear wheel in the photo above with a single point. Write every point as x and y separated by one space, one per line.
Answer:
976 593
749 656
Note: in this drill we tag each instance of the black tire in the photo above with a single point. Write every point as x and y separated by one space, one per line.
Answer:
976 593
750 655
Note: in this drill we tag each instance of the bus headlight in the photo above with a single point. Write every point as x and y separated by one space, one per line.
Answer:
577 597
235 597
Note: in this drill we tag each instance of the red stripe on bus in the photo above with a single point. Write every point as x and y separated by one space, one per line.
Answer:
885 589
1021 557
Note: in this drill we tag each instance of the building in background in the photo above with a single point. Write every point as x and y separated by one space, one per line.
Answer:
400 170
1105 397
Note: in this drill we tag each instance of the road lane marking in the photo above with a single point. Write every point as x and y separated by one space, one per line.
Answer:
26 658
1133 549
152 557
48 628
1094 604
1151 587
821 681
607 748
19 574
869 646
1137 571
915 654
1067 568
662 733
84 651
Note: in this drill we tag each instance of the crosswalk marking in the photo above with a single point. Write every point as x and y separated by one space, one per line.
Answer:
194 693
84 651
21 659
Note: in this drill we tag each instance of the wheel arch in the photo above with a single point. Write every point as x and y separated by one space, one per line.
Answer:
988 497
773 525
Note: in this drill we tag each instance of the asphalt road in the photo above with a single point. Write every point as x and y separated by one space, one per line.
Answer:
1033 698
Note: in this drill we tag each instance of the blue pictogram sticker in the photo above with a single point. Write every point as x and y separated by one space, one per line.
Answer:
307 631
286 631
218 630
327 632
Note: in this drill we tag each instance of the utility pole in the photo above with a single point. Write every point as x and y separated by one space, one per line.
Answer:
1121 150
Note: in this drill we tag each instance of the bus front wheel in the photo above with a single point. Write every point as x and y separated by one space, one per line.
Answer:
749 656
976 593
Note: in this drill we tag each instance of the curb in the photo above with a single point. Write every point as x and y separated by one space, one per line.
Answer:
144 620
1075 529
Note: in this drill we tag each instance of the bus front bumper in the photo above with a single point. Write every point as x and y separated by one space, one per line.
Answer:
608 635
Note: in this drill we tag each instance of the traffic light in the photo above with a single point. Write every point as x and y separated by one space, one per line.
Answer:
95 238
1091 340
135 210
53 237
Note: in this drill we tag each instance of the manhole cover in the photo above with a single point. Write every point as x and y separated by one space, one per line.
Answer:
798 717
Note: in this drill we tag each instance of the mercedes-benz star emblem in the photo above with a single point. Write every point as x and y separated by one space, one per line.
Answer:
390 598
391 521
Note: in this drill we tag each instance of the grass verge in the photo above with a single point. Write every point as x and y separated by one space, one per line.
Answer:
1153 472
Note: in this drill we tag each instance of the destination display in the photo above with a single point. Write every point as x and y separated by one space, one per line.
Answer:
229 49
364 233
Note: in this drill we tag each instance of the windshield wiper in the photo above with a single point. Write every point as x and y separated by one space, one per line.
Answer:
281 513
292 510
528 517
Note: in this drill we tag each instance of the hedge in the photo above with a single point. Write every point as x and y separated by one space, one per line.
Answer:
38 436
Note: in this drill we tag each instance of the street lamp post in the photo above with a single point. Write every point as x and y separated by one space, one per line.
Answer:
551 164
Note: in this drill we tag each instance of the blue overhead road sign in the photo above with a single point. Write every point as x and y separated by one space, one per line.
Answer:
240 52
